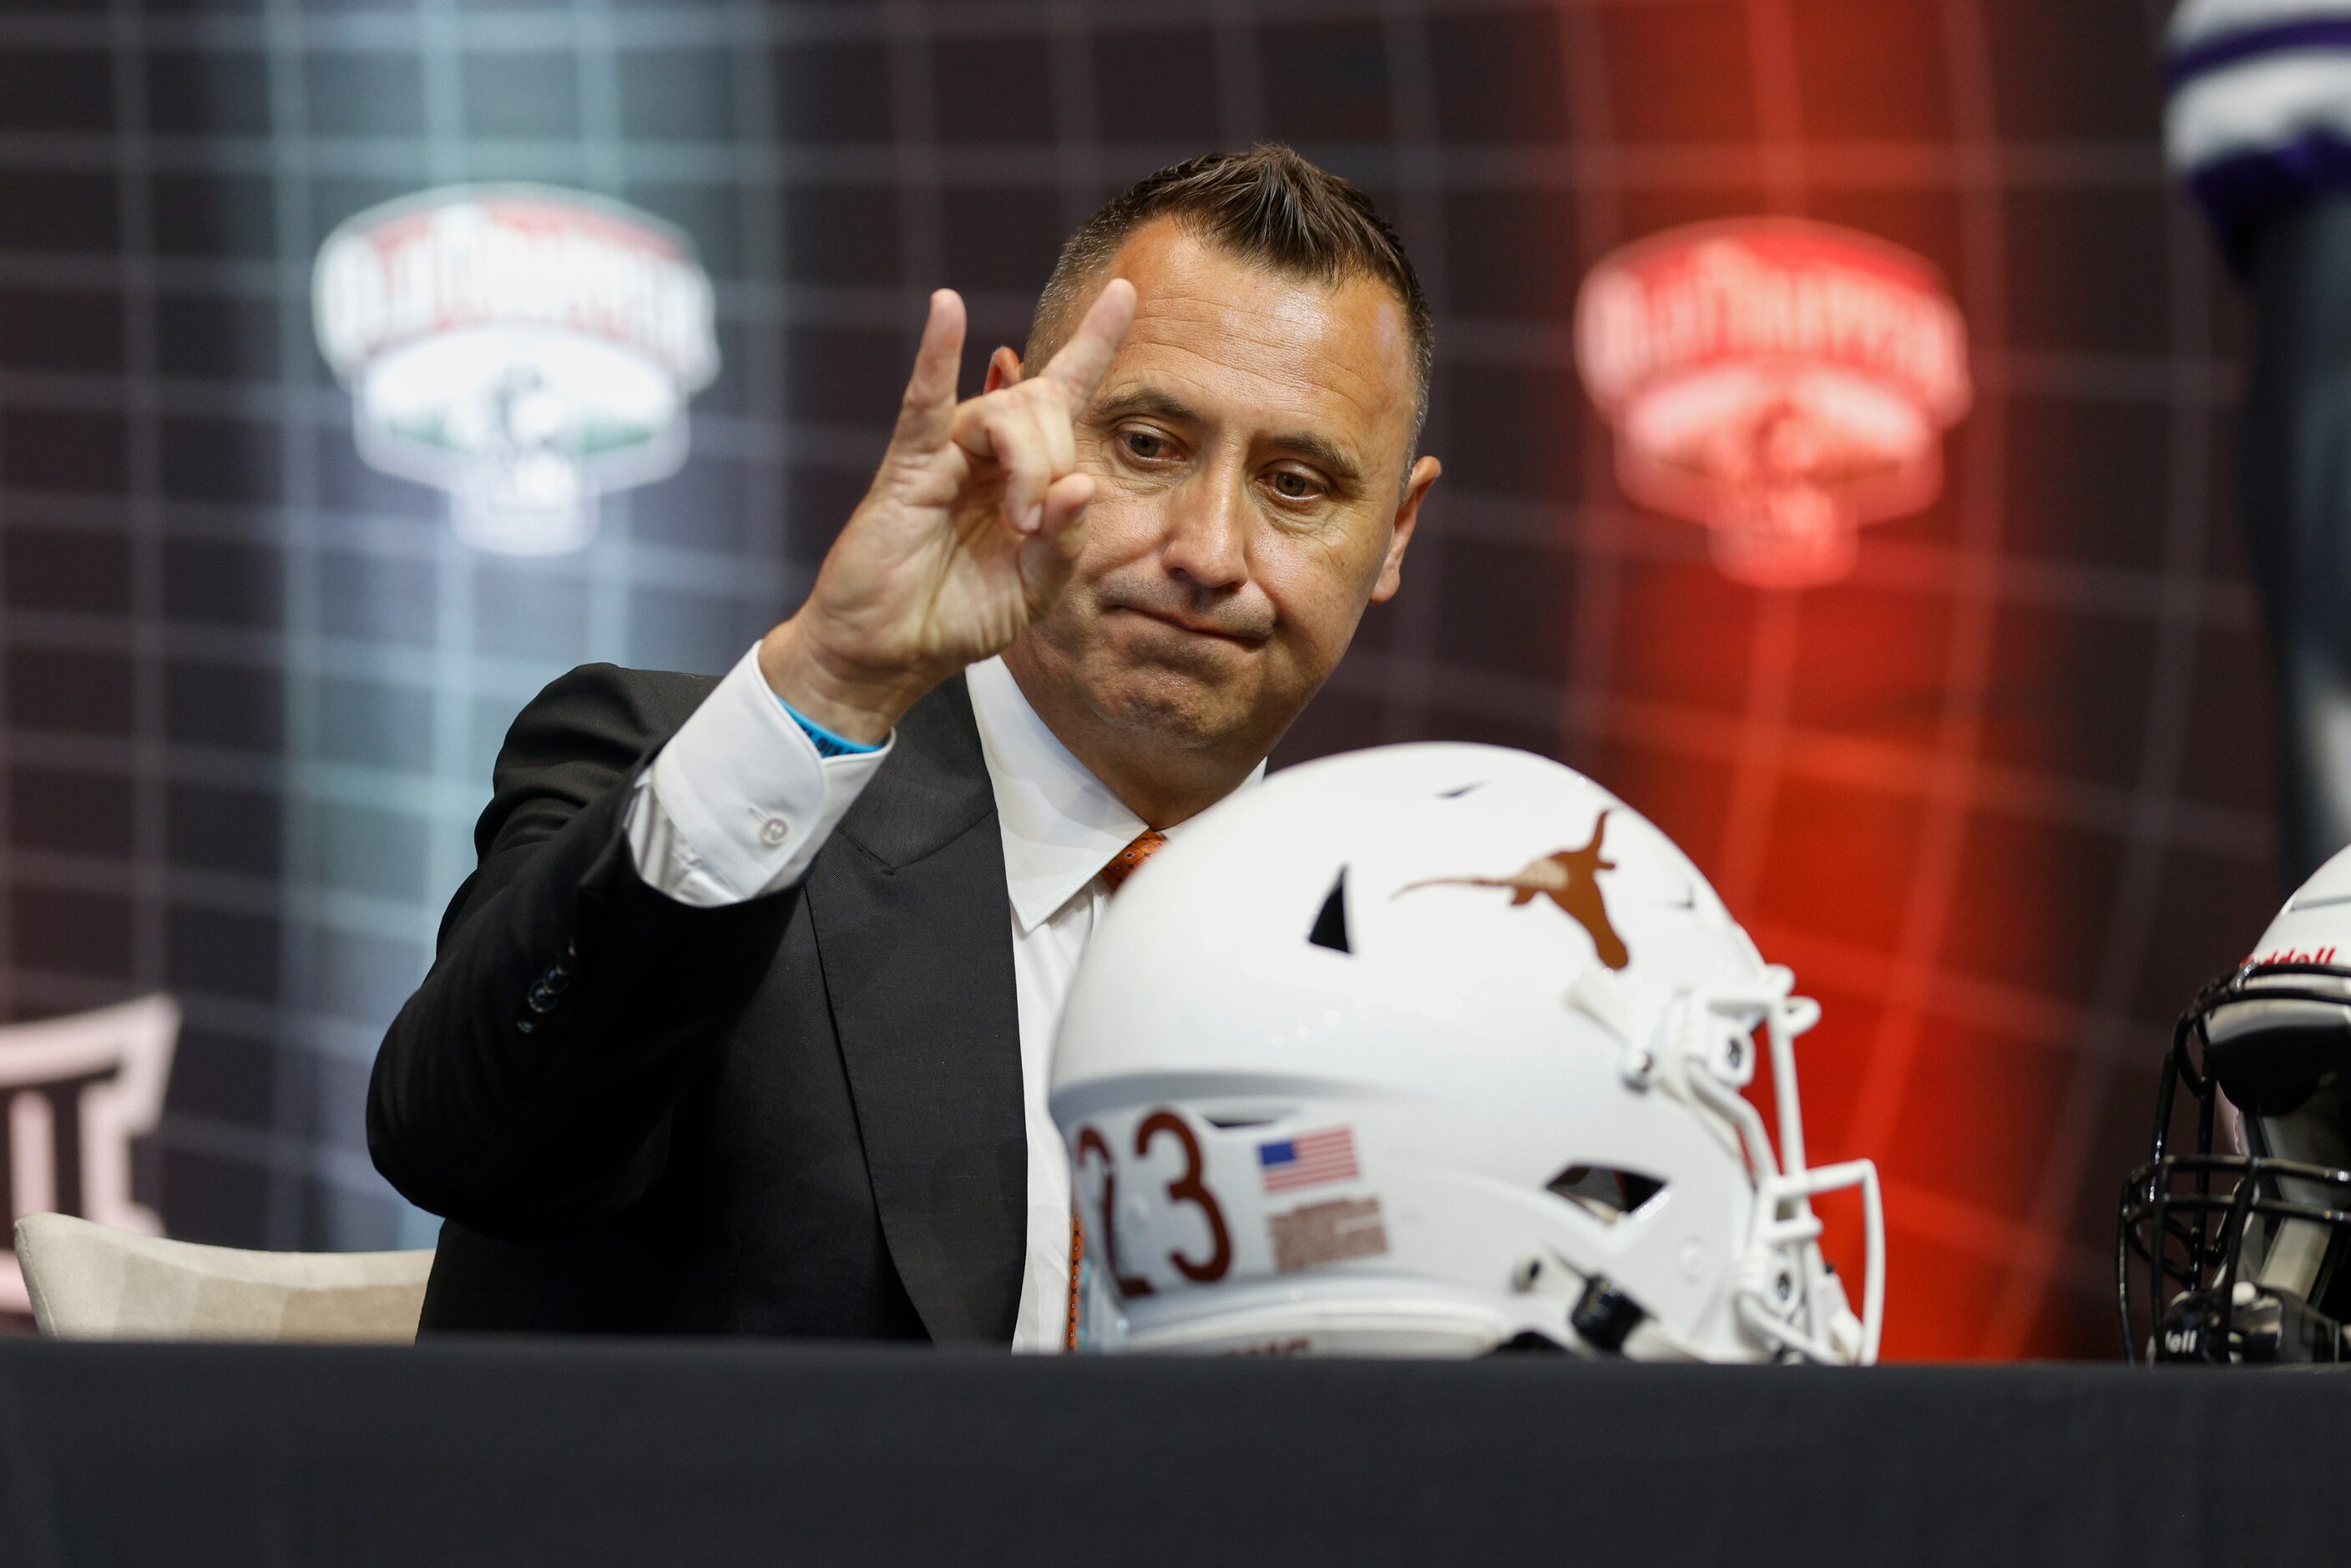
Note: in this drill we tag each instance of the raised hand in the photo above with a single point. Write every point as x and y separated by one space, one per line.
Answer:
967 534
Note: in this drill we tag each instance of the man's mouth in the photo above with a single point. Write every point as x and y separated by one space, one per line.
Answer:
1197 628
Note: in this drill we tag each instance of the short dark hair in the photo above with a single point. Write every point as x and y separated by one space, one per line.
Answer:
1268 204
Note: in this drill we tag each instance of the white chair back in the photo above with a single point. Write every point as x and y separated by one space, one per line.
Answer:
91 1281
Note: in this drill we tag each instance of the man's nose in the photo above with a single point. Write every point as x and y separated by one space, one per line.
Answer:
1207 540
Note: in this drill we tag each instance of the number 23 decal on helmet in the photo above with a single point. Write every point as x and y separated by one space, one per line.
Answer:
1186 1187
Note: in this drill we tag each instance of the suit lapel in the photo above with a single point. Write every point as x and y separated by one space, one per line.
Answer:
913 931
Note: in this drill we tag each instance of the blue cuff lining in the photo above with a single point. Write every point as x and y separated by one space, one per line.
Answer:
827 743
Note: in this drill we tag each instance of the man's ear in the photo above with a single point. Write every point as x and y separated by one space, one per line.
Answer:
1003 371
1407 518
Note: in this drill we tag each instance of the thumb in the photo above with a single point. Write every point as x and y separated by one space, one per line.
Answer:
928 413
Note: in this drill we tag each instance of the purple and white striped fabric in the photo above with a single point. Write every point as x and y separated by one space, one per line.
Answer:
2259 111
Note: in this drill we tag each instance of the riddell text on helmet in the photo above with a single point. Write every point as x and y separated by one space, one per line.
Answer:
2294 955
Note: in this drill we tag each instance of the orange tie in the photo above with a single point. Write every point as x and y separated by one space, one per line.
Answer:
1077 1258
1129 860
1122 865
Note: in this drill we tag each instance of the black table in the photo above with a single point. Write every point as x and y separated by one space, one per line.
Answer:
516 1452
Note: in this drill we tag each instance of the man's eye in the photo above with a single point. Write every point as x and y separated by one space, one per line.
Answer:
1292 485
1145 445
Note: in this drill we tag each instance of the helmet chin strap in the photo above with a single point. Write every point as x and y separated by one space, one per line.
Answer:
2296 1253
2291 1259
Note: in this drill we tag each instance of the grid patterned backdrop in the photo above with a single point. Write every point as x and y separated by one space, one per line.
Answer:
2002 798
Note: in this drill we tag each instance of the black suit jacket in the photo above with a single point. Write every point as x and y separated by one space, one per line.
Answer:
797 1115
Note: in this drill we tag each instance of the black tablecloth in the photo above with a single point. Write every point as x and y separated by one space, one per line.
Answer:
519 1452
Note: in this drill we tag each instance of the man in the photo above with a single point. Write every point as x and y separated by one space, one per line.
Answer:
741 1024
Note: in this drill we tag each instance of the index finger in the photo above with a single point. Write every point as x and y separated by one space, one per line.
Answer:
1085 358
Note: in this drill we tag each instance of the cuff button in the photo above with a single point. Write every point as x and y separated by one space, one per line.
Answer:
774 831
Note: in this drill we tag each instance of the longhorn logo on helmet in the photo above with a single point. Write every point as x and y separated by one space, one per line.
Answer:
1569 878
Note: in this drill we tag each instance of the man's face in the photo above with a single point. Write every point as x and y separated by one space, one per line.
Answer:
1250 450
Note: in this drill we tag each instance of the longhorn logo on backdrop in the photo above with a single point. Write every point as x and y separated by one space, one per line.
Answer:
524 348
1781 381
76 1091
1569 878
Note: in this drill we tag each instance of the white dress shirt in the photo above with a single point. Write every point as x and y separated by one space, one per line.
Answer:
738 803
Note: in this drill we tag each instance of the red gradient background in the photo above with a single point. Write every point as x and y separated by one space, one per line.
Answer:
1949 790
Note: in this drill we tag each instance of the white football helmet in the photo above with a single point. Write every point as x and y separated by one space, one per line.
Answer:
1432 1049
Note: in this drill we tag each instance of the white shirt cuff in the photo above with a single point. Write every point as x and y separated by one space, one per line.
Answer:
740 802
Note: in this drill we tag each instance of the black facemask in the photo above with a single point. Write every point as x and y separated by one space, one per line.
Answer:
2232 1258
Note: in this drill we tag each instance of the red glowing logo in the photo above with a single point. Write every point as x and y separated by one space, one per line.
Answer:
1781 381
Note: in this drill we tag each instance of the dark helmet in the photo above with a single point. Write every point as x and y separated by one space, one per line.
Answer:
2234 1251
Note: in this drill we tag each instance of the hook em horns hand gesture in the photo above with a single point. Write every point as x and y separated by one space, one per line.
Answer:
967 534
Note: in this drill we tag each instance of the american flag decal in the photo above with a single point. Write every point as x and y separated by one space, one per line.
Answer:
1309 1159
